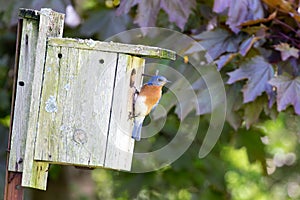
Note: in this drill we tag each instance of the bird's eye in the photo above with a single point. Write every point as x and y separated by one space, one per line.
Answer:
160 80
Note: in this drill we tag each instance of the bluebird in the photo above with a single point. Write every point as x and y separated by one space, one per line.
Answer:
146 101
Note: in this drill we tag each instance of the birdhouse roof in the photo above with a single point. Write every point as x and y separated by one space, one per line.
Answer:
89 44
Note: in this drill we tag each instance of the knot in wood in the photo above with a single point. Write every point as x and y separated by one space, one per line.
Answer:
80 136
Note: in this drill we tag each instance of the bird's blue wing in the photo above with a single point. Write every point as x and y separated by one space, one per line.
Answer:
137 129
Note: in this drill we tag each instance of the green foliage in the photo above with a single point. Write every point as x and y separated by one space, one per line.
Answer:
5 121
244 178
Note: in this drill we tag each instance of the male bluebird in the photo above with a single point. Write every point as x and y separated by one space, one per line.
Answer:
146 101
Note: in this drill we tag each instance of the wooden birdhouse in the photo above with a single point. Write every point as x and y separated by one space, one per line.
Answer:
73 99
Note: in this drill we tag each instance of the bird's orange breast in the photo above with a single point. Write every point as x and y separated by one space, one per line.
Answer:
152 94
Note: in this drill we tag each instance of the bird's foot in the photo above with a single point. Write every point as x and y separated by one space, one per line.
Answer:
131 116
136 90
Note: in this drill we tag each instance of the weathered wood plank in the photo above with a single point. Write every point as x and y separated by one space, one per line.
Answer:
75 106
23 94
35 173
120 145
139 50
48 102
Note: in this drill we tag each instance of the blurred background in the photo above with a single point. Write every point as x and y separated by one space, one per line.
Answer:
257 155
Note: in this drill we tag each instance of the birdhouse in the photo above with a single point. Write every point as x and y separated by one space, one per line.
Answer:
73 99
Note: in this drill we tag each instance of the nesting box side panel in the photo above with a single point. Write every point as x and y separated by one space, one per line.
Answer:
23 94
120 144
35 173
75 106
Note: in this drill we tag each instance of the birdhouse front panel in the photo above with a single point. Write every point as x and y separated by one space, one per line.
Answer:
75 106
120 145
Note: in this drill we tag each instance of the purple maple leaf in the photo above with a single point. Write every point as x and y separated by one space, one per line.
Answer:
178 10
288 91
147 12
239 11
125 6
258 72
287 51
216 42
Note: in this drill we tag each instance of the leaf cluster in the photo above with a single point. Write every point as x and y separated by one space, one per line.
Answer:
255 45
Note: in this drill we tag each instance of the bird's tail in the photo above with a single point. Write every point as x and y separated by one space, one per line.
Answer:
137 129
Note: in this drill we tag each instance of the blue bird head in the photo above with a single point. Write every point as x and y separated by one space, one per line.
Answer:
158 81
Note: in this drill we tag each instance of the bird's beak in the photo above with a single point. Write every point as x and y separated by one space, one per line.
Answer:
147 75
